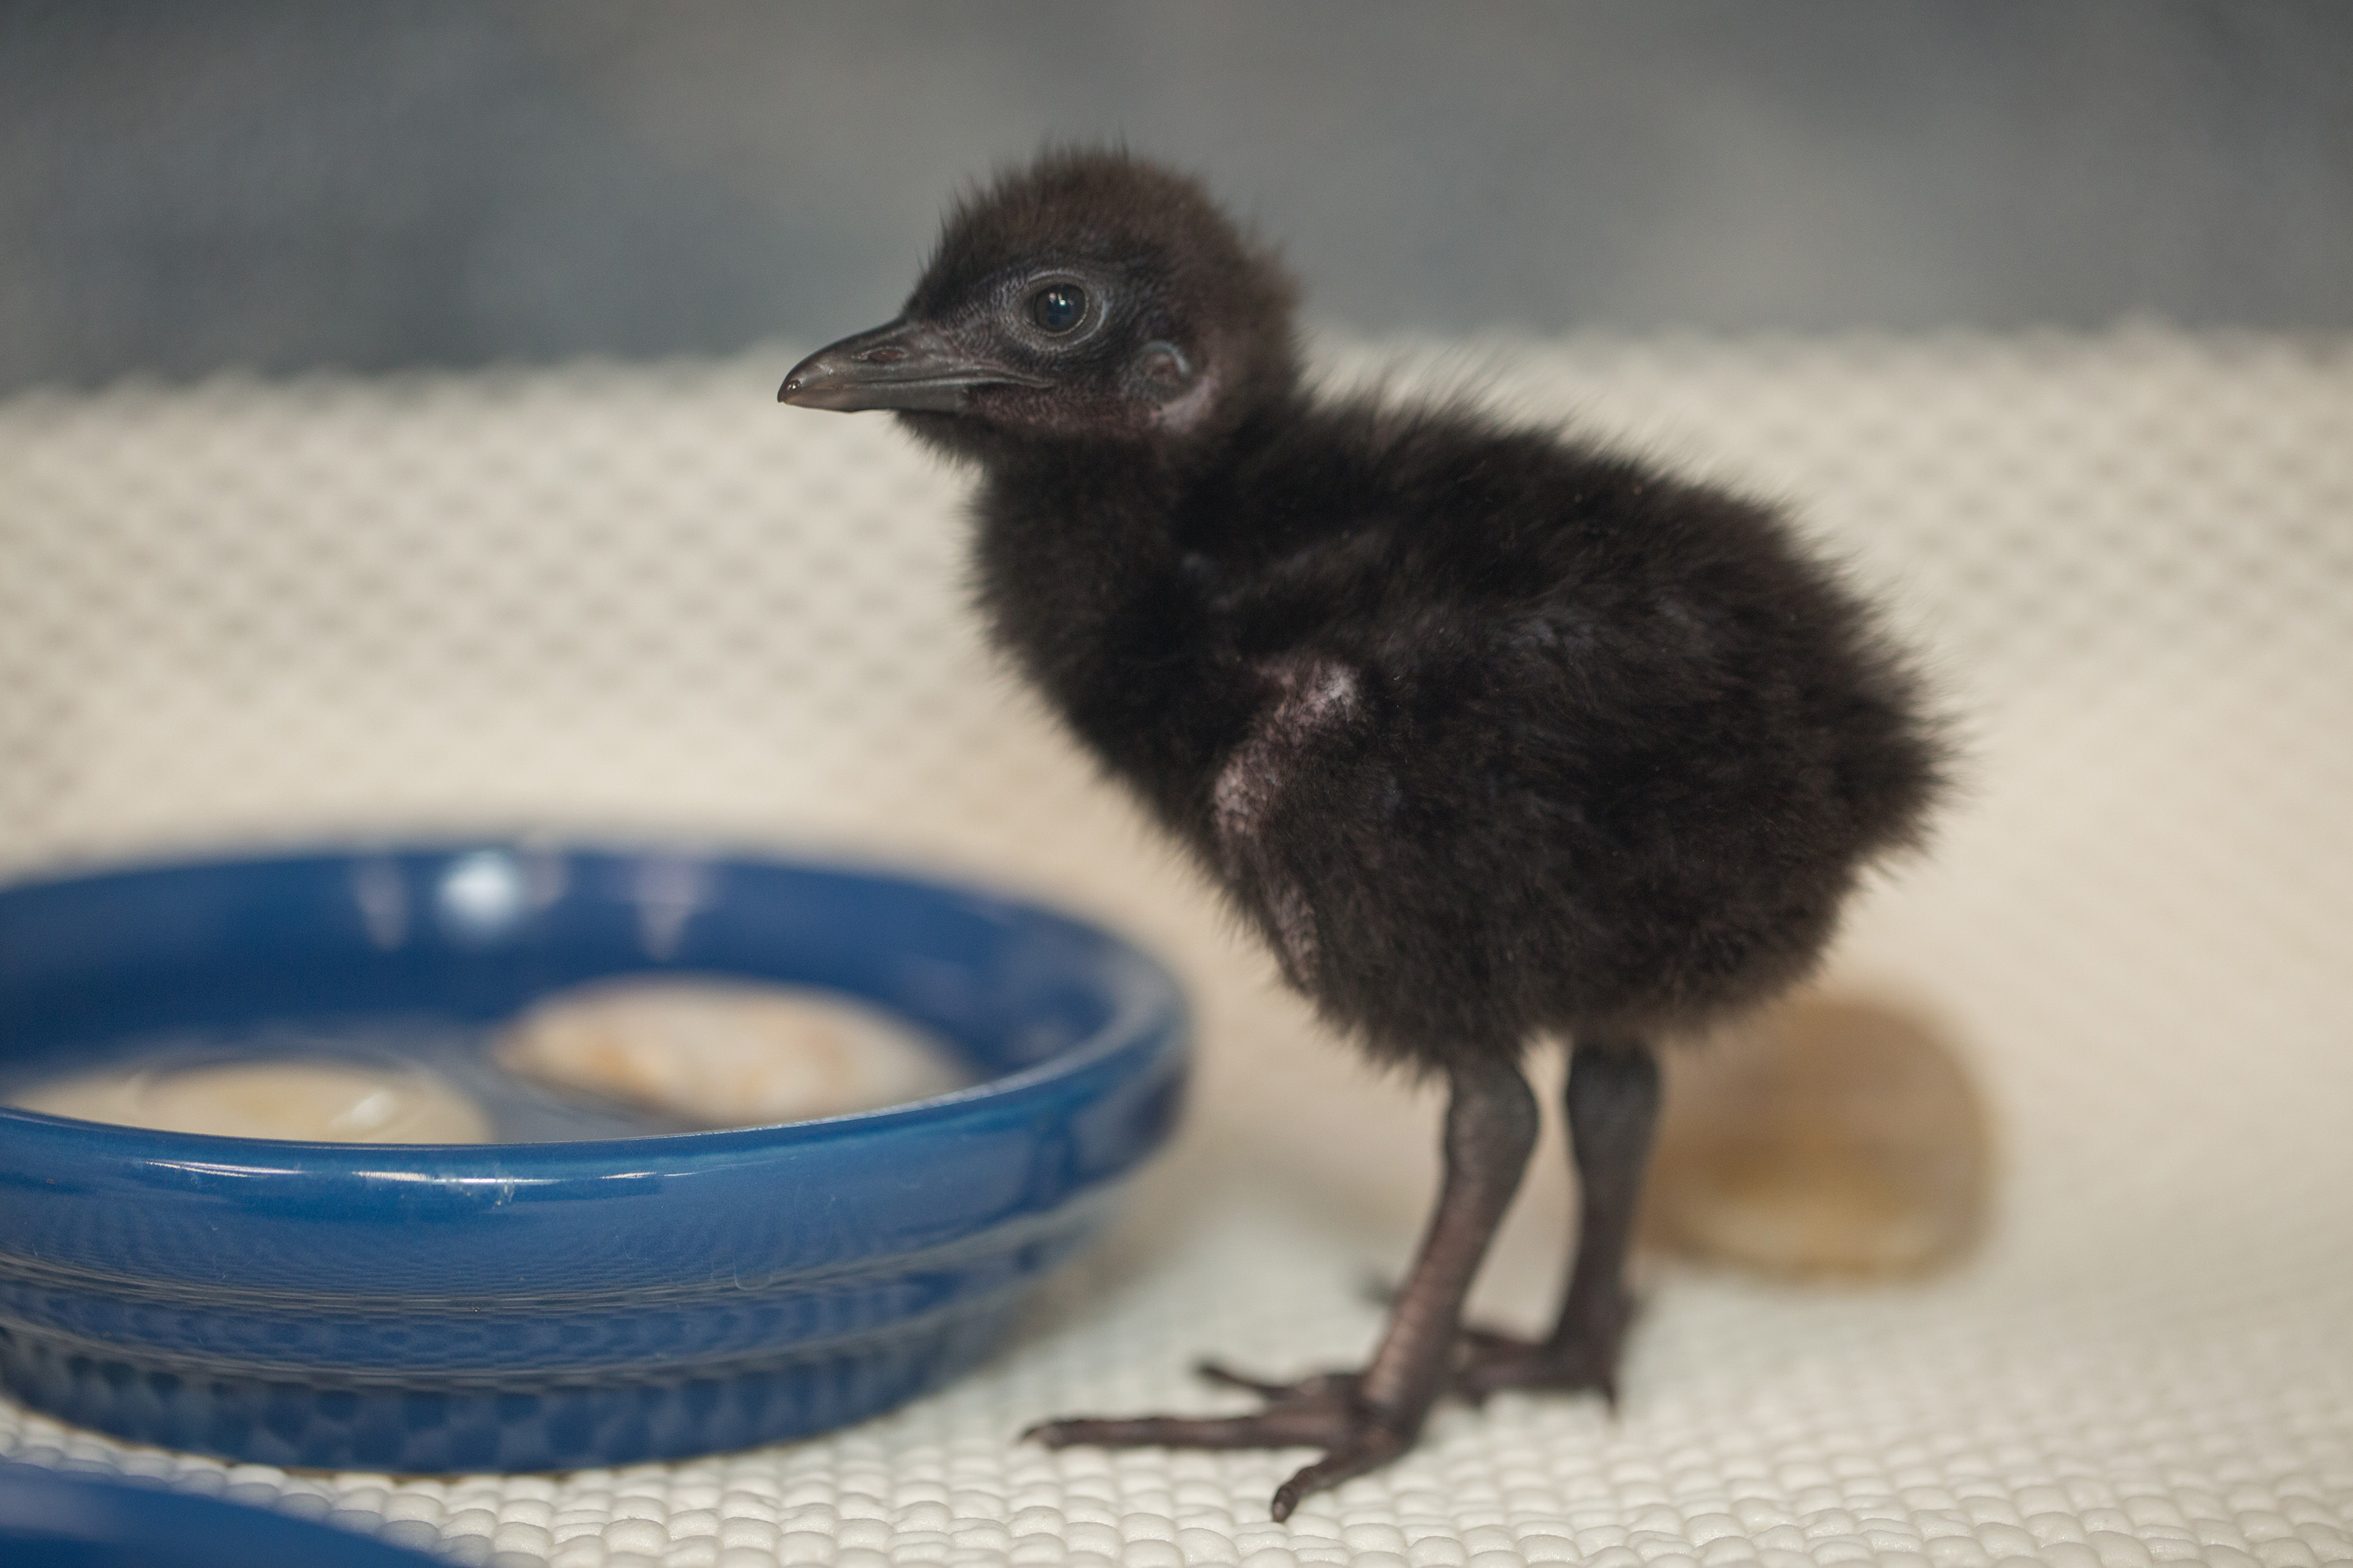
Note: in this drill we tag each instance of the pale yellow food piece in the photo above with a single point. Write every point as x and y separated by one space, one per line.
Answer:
323 1102
1830 1137
718 1053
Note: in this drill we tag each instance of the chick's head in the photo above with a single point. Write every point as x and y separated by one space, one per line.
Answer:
1087 297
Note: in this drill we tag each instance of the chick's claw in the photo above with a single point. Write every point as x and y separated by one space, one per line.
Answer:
1371 1445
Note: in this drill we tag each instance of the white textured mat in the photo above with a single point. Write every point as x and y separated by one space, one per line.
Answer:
650 602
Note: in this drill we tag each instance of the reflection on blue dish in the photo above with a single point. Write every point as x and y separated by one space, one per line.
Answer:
53 1521
545 1305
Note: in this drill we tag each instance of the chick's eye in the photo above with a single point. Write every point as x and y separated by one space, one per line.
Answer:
1057 308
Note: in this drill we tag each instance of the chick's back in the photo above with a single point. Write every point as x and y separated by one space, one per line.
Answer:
1543 740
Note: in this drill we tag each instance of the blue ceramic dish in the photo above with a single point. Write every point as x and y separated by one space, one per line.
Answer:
53 1521
546 1305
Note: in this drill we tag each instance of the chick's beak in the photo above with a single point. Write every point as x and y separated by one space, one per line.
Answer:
901 364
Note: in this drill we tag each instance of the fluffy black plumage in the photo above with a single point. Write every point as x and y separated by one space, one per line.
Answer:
1491 736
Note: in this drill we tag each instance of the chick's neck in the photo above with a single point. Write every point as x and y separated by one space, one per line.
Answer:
1095 563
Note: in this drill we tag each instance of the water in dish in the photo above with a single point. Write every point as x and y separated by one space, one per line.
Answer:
636 1056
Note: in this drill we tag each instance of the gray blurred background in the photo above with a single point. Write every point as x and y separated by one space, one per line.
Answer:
367 185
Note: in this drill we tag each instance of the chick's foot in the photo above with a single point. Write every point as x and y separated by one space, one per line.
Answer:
1326 1411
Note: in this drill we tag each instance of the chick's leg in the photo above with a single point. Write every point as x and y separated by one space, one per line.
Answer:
1362 1420
1613 1109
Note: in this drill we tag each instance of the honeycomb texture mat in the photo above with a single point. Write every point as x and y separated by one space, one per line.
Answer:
647 603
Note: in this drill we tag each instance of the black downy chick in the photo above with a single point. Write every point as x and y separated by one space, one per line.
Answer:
1491 737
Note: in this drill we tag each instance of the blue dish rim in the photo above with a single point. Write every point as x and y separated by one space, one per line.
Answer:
1143 1024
